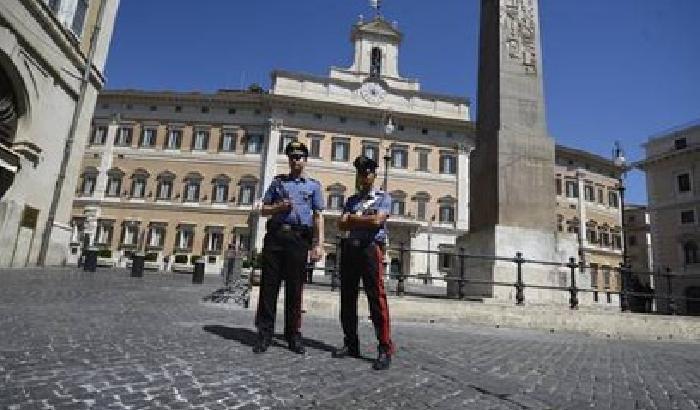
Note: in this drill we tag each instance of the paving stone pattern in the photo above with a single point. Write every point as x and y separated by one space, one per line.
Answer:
74 340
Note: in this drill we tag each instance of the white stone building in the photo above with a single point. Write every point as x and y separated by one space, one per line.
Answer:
47 99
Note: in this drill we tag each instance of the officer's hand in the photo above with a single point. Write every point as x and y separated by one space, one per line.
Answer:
284 205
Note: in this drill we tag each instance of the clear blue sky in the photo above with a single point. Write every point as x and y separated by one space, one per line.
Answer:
614 69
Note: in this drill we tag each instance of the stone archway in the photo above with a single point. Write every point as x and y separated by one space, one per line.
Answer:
11 110
9 164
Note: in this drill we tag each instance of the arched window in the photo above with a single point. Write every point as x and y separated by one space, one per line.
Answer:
87 188
422 198
246 193
165 185
219 191
690 250
138 184
375 69
114 182
193 180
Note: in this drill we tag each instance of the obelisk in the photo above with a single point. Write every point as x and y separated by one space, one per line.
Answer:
512 198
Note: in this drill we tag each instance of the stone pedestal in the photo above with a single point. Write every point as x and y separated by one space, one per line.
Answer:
506 242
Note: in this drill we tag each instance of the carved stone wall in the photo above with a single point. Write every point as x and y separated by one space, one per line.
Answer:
519 23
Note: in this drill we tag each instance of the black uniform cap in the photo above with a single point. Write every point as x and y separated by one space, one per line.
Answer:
296 148
365 165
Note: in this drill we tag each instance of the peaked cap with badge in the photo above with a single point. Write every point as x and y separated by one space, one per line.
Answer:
296 148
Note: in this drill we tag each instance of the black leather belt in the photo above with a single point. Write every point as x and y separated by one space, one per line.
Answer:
295 228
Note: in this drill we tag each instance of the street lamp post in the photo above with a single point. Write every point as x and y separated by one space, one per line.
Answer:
388 130
621 163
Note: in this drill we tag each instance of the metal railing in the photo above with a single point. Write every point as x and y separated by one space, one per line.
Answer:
633 293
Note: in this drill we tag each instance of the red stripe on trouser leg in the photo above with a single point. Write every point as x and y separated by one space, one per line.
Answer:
385 328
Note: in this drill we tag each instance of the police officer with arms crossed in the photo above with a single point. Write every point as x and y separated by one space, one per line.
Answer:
294 230
364 217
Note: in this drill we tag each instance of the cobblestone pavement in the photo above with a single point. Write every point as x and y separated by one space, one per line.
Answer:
74 340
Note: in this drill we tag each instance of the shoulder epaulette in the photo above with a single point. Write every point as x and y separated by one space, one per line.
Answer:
281 177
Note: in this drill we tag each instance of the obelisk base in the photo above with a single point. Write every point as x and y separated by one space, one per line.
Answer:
506 242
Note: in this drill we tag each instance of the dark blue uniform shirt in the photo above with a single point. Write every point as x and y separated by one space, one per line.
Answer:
372 203
303 192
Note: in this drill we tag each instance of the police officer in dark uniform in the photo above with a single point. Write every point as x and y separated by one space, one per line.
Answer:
364 218
294 203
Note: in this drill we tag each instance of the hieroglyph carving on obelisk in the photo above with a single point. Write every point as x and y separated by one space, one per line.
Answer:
518 17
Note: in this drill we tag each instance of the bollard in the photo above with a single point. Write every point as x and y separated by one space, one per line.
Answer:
335 274
519 286
137 262
400 286
90 264
198 274
573 298
461 284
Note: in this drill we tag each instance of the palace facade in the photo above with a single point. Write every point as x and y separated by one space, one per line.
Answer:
179 174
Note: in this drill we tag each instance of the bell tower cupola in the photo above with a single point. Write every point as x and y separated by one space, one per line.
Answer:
376 56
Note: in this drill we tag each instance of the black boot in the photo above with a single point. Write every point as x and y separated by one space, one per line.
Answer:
296 345
262 343
347 351
383 360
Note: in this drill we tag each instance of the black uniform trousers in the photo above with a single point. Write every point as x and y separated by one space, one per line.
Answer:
364 260
283 259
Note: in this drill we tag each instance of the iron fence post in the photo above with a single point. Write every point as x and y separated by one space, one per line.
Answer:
461 283
400 285
335 274
573 291
519 286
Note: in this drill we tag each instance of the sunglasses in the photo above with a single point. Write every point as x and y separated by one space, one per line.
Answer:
296 157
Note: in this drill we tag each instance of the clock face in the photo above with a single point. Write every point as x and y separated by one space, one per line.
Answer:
373 93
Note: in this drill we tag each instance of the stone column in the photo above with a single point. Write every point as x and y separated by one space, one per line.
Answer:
269 170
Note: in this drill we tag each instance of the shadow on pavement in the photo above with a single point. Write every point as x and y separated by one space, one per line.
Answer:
248 337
